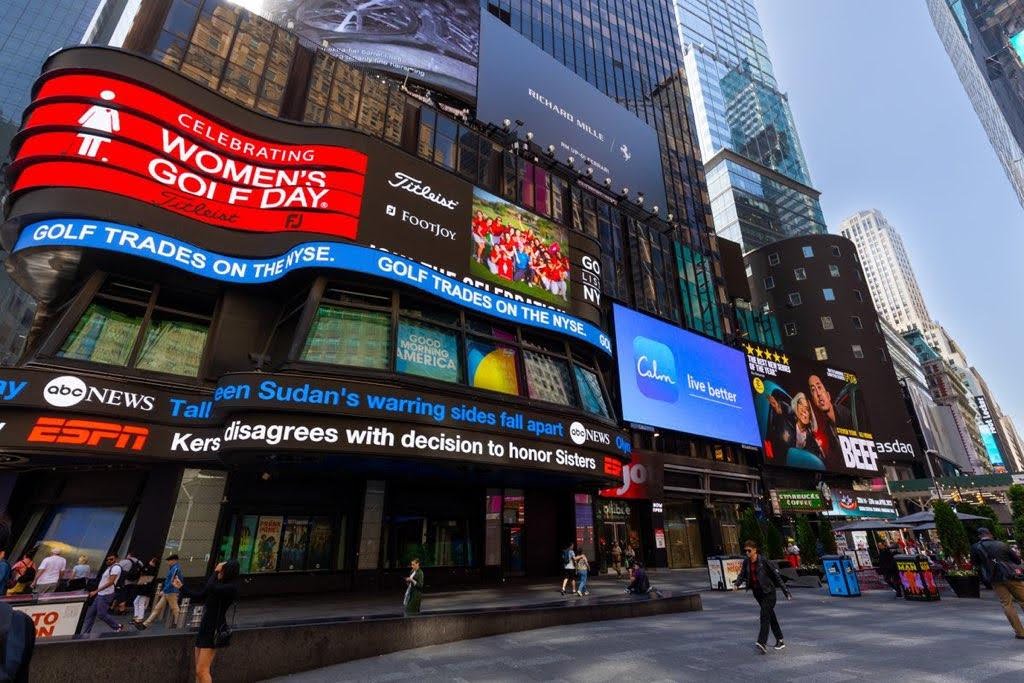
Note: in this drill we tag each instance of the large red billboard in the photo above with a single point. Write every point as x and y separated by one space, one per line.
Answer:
96 131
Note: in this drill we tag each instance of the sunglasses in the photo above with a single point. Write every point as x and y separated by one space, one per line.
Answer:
748 550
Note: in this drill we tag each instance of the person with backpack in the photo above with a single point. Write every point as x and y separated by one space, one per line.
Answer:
131 571
23 573
1001 570
103 598
569 567
17 632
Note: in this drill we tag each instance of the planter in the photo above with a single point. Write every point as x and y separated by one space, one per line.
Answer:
965 586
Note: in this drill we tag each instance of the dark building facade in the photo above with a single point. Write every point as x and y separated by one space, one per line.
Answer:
253 339
815 288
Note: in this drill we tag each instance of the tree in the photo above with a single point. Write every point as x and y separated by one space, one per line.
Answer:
827 536
1016 496
773 547
807 542
750 529
991 521
952 534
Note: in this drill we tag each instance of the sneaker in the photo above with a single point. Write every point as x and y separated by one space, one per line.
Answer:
141 625
1019 636
762 648
780 645
563 591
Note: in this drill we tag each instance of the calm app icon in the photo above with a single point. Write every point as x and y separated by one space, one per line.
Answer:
655 368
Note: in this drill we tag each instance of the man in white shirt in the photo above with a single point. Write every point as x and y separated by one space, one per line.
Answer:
103 596
49 572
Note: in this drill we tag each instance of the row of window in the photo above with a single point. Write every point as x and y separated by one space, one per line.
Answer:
795 299
808 251
826 324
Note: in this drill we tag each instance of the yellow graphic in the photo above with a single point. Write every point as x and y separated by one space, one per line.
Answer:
497 372
758 385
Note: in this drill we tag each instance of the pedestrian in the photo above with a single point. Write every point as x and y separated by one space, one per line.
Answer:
80 574
5 571
49 573
23 573
793 554
640 584
414 588
617 559
762 578
17 632
569 567
103 597
219 594
1001 570
887 567
582 572
630 555
131 570
145 587
168 597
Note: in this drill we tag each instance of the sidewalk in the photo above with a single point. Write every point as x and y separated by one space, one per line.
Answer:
315 607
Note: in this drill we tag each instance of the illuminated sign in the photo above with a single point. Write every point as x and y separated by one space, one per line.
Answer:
71 432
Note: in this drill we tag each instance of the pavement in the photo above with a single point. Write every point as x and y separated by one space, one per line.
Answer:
874 637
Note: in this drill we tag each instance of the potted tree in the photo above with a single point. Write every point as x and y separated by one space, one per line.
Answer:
953 536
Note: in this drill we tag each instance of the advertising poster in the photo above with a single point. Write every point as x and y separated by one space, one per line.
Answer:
848 503
563 110
798 501
294 542
268 539
678 380
427 351
492 366
917 579
435 42
53 619
247 542
320 544
518 250
810 416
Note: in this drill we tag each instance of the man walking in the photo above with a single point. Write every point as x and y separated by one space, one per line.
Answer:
102 597
1000 569
887 567
762 577
169 596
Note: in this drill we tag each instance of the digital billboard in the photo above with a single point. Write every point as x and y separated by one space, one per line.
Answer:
678 380
563 110
432 41
812 416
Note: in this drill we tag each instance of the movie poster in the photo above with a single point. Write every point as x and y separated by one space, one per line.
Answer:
320 544
268 538
810 416
519 251
294 539
246 541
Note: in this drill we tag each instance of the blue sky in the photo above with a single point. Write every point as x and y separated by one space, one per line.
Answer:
886 124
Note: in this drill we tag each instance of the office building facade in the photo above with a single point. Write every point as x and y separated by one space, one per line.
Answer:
758 180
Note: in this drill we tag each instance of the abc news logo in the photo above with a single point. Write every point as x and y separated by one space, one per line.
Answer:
67 390
580 435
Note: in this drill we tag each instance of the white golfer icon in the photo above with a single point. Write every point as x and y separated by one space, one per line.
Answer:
98 117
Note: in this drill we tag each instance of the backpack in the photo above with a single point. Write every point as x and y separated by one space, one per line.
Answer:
134 571
17 641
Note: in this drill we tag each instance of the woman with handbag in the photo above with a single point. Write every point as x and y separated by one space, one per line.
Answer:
219 594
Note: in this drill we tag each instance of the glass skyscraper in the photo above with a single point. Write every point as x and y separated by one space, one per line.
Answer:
758 182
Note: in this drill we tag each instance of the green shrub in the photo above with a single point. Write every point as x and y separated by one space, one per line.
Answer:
952 534
807 541
828 537
750 529
773 546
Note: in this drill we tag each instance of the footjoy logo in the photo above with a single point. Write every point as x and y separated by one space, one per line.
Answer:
404 181
67 390
655 370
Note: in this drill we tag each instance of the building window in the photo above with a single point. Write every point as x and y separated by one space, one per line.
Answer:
808 252
790 329
826 323
833 270
828 294
857 325
857 295
773 259
142 326
835 251
858 352
769 282
821 353
800 273
794 299
342 335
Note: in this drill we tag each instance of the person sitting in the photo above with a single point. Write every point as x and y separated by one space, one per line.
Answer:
640 584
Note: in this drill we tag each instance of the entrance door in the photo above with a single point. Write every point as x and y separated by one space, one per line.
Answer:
513 518
683 538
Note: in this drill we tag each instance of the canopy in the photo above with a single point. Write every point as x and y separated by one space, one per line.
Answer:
928 516
872 525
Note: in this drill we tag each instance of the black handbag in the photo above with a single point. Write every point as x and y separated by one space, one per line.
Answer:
1003 570
222 636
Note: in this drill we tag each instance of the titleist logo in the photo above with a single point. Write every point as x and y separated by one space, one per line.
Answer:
404 181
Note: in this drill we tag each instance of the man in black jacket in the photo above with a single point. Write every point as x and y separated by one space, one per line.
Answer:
887 567
762 577
994 560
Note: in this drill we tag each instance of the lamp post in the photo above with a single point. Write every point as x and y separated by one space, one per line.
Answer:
931 470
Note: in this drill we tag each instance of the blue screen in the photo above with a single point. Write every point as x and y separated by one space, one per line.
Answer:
678 380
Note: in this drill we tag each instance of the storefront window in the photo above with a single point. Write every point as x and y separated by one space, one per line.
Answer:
102 335
173 346
348 336
282 543
427 351
436 542
78 530
193 528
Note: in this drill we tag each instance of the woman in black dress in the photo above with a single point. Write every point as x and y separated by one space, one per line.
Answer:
219 594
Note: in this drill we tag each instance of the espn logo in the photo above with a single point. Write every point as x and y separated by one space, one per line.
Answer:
88 433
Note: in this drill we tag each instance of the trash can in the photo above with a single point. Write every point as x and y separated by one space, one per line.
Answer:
840 576
723 570
916 577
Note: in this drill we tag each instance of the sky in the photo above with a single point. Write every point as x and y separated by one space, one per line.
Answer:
885 123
